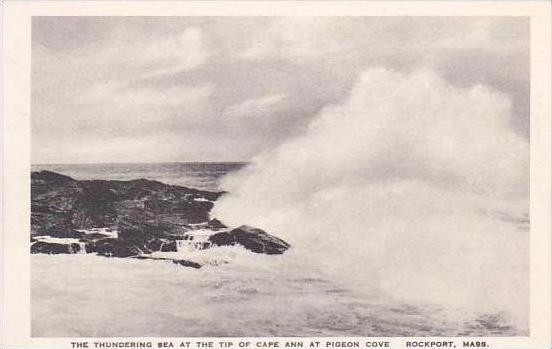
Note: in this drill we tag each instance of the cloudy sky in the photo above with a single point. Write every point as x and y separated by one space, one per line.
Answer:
156 89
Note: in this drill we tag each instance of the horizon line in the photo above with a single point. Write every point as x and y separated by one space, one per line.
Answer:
138 163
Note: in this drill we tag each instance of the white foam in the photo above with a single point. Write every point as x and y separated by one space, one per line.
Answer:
211 256
201 199
105 231
396 191
49 239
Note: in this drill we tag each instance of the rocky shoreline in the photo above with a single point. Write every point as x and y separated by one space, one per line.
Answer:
131 219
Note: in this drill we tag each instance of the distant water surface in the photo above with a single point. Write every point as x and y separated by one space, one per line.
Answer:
198 175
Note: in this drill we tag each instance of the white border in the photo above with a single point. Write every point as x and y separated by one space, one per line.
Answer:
17 46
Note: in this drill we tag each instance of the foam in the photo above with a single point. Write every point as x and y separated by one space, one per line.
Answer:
411 188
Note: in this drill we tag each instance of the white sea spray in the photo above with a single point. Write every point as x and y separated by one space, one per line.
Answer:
412 189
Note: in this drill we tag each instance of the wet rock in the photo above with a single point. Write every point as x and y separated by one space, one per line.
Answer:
169 247
54 198
162 245
186 263
54 248
155 245
112 247
68 234
60 204
43 181
147 235
96 205
253 239
215 224
183 262
149 216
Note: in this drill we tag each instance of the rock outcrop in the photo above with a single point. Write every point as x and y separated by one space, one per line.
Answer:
111 247
61 204
149 216
253 239
54 248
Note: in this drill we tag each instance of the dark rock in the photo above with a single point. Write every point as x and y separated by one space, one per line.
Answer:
96 205
71 234
155 245
187 263
147 235
162 245
253 239
215 224
141 257
112 247
60 204
53 200
51 178
169 247
182 262
223 238
148 215
54 248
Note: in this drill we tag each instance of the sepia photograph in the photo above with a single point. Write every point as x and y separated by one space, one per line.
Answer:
280 176
262 175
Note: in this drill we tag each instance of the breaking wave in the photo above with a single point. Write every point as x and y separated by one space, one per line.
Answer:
411 189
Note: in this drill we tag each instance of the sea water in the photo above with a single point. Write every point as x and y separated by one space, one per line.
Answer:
406 208
197 175
255 295
251 295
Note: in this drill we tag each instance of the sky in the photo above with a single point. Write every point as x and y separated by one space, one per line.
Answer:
164 89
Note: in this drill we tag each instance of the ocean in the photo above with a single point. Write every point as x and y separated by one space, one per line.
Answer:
198 175
294 294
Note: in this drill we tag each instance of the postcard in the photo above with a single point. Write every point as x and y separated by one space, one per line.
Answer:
259 175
